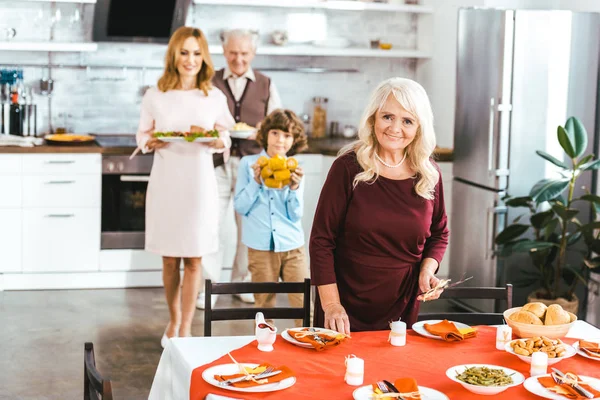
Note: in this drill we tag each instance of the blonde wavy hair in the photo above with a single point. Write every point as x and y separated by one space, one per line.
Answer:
170 78
413 98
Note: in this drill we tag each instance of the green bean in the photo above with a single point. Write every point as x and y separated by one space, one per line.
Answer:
483 376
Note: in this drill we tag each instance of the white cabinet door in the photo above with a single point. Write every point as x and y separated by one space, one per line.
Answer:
61 239
64 163
62 191
10 191
10 164
10 240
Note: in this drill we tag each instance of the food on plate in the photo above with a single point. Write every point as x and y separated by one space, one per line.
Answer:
276 172
188 136
69 137
591 348
526 347
484 376
539 314
242 126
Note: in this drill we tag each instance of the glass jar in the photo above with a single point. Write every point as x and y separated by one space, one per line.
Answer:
319 119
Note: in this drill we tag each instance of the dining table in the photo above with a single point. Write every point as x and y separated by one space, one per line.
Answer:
320 374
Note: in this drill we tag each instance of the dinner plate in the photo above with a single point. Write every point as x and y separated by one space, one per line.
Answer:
286 336
583 353
365 393
517 378
230 369
182 139
533 386
241 134
569 352
419 327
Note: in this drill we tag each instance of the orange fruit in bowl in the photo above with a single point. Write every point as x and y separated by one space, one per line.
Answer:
276 172
282 174
291 164
276 163
273 183
262 161
266 172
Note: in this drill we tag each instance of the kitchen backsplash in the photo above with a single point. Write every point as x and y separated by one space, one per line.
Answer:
108 100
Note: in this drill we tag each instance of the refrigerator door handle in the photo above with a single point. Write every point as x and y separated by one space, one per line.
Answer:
491 136
490 230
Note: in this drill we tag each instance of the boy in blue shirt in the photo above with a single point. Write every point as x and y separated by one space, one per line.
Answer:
271 218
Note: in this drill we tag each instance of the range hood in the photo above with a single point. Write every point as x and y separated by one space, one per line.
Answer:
138 20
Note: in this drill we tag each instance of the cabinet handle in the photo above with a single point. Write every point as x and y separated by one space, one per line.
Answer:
135 178
59 182
60 162
60 215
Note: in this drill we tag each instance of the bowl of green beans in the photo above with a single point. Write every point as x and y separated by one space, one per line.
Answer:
485 379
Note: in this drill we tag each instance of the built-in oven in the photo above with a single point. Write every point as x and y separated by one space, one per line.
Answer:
124 184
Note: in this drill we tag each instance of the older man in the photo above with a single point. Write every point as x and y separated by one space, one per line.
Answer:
251 96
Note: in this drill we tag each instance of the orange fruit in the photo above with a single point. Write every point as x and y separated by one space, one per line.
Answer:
276 163
282 174
272 183
291 164
262 161
286 182
266 172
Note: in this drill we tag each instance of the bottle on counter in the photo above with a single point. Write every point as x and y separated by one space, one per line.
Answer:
319 118
16 112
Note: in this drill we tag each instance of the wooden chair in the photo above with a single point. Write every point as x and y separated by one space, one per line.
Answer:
474 318
228 314
95 387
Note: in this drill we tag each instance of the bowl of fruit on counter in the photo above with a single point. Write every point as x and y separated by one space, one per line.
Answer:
276 172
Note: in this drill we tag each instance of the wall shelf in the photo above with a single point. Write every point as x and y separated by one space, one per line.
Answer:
48 46
327 5
305 50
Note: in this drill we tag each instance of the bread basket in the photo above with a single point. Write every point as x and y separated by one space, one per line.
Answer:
528 330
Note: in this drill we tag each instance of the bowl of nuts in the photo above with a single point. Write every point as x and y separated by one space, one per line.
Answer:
555 348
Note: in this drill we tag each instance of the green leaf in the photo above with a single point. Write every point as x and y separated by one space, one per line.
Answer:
566 214
590 197
532 245
523 283
540 220
593 263
584 160
591 226
577 134
590 165
551 228
552 159
510 233
569 274
548 189
572 238
565 142
519 201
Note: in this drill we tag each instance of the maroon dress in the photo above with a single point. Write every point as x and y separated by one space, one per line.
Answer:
370 240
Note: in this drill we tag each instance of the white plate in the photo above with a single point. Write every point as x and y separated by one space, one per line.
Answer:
532 385
569 352
230 369
583 353
419 327
182 139
241 134
286 336
365 392
517 378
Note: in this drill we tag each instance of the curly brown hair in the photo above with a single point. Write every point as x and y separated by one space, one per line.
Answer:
287 121
170 78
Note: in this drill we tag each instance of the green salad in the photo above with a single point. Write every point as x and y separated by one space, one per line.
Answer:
188 136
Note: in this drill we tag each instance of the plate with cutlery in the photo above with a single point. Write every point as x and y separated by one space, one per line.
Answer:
286 336
366 393
234 369
533 385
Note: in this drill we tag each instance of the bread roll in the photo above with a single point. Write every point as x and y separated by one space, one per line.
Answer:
526 317
555 315
539 309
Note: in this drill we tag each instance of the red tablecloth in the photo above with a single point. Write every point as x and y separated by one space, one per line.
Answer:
320 375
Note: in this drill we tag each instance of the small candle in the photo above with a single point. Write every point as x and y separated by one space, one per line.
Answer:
503 336
539 363
398 333
355 370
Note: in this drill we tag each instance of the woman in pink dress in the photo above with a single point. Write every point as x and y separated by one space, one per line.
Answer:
380 228
182 199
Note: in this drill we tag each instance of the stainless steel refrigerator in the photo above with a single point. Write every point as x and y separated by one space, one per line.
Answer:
520 74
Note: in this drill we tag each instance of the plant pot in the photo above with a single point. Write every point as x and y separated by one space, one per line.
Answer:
570 306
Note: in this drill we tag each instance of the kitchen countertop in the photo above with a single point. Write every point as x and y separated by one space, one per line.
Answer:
329 147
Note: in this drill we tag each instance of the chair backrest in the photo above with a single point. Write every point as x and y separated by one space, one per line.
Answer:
228 314
479 293
95 387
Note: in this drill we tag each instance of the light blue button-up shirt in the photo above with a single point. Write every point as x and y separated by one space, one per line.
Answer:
271 218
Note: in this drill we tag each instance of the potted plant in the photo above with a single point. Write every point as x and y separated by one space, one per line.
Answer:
561 247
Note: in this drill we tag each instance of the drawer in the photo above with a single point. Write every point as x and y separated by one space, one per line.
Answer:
10 164
62 191
61 239
10 240
68 163
10 191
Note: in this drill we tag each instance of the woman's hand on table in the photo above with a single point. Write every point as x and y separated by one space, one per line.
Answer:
296 178
336 318
428 280
155 143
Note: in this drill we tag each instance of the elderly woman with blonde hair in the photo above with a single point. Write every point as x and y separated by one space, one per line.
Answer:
380 229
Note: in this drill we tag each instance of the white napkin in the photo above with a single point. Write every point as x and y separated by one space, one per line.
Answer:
22 141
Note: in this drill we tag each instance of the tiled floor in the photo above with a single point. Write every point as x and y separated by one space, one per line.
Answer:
42 334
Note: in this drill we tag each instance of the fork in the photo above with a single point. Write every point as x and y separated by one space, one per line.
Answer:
385 389
247 377
580 390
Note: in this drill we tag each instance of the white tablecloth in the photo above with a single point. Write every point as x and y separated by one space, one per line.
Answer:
183 355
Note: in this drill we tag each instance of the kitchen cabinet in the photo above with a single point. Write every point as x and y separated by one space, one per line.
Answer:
10 240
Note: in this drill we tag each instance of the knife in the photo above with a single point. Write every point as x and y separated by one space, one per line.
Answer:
245 377
581 390
449 285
